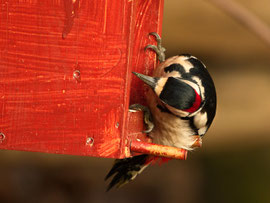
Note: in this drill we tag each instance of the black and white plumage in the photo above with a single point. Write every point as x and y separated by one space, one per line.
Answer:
182 102
186 102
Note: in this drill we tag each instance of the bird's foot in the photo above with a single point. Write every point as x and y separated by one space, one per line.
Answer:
160 51
147 116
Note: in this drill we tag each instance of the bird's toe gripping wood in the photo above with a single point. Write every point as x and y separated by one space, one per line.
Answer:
148 120
159 49
140 143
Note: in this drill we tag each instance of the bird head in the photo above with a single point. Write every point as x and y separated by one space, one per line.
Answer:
180 96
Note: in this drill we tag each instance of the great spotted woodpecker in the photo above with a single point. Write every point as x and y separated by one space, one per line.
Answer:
182 102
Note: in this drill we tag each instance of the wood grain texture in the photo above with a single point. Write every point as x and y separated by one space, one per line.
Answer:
65 73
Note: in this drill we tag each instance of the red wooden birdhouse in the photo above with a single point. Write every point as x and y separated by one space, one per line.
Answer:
65 75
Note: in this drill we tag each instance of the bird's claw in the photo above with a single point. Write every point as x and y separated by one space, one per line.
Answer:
160 51
147 116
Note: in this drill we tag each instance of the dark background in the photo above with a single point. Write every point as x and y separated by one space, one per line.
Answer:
234 163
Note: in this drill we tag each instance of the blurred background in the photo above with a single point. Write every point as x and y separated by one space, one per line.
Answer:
234 163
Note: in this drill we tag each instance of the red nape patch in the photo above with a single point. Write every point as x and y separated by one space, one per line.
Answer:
196 104
157 160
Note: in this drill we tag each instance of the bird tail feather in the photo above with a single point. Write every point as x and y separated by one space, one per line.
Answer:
126 170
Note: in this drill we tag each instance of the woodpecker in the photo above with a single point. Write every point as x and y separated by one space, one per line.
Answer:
182 101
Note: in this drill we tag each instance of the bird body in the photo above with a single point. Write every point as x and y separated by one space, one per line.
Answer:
175 126
182 101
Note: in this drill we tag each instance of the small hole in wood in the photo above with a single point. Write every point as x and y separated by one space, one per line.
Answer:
90 141
2 137
77 75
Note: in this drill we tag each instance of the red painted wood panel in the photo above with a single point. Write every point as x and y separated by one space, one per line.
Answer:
65 73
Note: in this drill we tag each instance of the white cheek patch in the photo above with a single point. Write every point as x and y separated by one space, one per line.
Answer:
200 120
160 84
199 82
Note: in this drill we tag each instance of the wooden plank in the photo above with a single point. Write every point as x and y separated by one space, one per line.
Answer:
65 72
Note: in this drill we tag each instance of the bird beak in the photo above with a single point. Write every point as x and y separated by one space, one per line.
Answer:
147 79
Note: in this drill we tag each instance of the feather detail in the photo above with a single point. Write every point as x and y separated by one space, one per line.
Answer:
125 170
